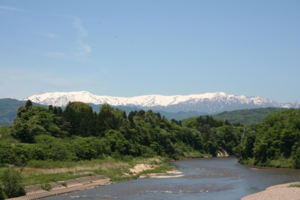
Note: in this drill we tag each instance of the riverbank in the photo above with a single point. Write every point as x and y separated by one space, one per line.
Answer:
91 181
277 192
35 192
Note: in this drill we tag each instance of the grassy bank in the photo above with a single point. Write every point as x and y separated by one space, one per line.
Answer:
42 172
280 163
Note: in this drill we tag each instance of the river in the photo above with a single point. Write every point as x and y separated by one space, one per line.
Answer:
207 178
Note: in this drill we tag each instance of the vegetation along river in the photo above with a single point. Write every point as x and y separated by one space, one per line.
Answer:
207 178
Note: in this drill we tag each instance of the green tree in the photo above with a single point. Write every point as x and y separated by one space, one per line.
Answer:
55 110
59 111
297 158
28 104
50 108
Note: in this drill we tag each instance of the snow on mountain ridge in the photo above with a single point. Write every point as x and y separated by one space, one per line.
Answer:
62 99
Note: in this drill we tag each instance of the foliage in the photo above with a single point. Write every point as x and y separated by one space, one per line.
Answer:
247 116
12 183
213 135
294 185
275 140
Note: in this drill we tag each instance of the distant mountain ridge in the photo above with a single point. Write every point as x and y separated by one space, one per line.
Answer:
9 107
208 102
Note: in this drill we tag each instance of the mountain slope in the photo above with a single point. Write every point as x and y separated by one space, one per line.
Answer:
208 102
247 116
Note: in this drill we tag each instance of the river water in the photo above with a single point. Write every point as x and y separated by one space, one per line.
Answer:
207 178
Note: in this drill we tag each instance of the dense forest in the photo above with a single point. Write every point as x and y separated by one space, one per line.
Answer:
77 133
274 142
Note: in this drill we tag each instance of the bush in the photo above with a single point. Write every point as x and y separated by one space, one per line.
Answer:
12 183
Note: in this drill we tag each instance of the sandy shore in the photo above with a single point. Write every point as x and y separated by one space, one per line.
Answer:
141 167
277 192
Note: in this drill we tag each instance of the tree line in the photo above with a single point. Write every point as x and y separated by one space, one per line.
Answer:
77 133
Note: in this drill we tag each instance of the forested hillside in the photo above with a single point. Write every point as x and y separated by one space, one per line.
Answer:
247 116
8 110
78 133
274 142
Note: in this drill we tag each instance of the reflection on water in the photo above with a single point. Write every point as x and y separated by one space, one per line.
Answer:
208 178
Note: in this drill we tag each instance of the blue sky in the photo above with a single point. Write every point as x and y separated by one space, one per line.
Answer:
130 48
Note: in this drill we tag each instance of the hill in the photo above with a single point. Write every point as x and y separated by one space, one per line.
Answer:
8 110
247 116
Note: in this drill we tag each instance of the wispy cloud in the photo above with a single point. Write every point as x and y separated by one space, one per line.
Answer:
83 49
13 9
51 35
82 32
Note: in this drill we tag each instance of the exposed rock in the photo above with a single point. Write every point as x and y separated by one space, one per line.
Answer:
222 153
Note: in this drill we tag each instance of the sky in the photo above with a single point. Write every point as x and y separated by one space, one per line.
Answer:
132 48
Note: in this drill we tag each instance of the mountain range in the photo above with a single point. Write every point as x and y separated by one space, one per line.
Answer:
208 102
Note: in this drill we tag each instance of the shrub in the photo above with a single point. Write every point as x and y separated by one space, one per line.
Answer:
12 183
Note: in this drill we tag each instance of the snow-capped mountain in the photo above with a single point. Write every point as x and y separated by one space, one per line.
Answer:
208 102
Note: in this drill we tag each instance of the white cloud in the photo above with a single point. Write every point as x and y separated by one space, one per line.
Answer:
83 49
13 9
